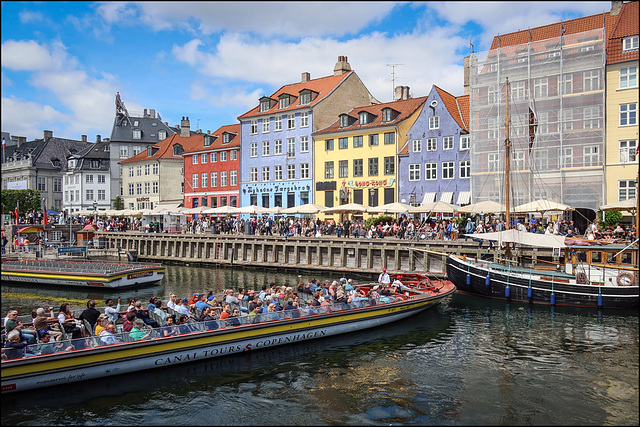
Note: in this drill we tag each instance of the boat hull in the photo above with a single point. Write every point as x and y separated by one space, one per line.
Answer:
92 363
536 287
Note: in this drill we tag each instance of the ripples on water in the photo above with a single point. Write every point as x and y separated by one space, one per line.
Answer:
470 361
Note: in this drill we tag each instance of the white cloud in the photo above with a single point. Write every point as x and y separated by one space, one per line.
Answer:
27 16
26 118
31 56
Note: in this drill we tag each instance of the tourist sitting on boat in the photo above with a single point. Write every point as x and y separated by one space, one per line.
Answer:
128 321
183 325
68 322
14 348
233 318
132 304
159 311
137 332
326 303
152 304
272 312
192 301
254 313
292 307
358 298
110 311
384 278
46 347
310 309
205 315
41 323
102 321
202 303
230 298
169 328
373 292
316 299
108 334
24 333
226 311
90 314
144 316
172 301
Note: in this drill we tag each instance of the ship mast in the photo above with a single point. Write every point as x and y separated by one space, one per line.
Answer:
507 160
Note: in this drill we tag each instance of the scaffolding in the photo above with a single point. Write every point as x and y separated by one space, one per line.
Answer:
562 81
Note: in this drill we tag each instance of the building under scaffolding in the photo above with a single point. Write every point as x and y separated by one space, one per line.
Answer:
561 80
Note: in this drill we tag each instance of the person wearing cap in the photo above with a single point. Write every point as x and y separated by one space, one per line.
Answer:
181 306
348 287
384 278
201 304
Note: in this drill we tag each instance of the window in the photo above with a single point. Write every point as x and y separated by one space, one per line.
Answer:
343 168
102 194
357 141
277 146
567 157
253 149
137 134
328 170
264 105
95 164
139 189
147 188
628 77
233 177
226 138
465 169
541 160
124 151
304 144
591 117
591 155
57 183
277 123
194 180
265 174
155 187
448 170
291 147
517 160
492 128
203 158
42 183
431 171
567 119
447 143
628 114
434 122
493 95
304 119
416 145
87 178
194 159
567 84
358 168
207 140
304 170
130 171
328 144
493 161
254 127
305 98
291 171
344 121
626 190
386 115
253 174
233 155
414 172
205 179
223 156
389 138
223 178
162 134
343 143
373 140
541 88
518 90
283 102
464 142
214 179
265 148
389 165
139 170
373 166
629 43
291 121
277 172
363 118
213 157
432 144
265 125
131 190
628 151
591 80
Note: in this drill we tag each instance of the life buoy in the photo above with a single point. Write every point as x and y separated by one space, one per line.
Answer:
626 279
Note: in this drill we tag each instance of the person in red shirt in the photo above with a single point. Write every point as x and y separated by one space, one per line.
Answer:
225 312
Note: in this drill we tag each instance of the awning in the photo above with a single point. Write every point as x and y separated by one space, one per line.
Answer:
447 197
429 198
31 229
164 208
89 227
464 197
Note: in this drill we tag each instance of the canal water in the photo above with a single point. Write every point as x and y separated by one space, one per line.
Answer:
468 361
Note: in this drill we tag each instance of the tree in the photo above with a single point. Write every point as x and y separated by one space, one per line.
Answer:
28 200
611 218
118 203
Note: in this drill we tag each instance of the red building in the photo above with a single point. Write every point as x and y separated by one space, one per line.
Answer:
211 169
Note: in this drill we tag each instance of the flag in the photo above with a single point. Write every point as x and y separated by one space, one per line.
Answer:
533 125
45 214
17 211
4 143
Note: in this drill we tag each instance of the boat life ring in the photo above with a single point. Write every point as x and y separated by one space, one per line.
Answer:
626 279
582 279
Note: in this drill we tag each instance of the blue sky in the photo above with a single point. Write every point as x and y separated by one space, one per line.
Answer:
63 62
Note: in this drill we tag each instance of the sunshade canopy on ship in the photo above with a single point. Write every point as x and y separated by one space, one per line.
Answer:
541 206
31 229
487 206
438 207
523 238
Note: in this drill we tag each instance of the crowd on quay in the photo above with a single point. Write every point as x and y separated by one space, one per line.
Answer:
50 332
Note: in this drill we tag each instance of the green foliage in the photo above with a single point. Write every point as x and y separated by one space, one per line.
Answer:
29 200
118 203
375 220
611 218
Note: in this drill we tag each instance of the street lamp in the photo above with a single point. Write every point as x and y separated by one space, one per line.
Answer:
95 211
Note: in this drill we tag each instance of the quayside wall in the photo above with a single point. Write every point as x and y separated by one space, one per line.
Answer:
327 253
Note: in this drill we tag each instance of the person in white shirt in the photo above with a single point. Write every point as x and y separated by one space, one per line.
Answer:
384 277
112 313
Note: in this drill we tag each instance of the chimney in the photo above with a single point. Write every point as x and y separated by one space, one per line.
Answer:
306 77
405 93
83 138
401 93
98 138
145 113
398 93
185 127
342 66
152 113
616 7
21 140
465 83
48 134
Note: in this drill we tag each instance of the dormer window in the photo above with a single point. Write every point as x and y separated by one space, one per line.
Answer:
95 164
226 138
284 101
630 43
305 97
265 104
344 121
364 118
387 115
72 163
162 134
136 123
149 151
207 140
177 150
137 134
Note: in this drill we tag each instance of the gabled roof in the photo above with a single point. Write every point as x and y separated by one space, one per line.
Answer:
458 107
43 152
404 108
624 24
322 86
165 148
149 132
216 136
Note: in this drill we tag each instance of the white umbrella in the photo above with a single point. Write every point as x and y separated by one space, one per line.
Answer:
225 210
252 209
541 206
277 210
349 207
626 205
395 207
198 210
437 206
487 206
309 208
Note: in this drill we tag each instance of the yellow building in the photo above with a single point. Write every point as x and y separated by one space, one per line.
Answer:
621 163
356 157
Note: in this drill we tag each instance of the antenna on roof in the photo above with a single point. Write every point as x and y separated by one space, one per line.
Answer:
393 78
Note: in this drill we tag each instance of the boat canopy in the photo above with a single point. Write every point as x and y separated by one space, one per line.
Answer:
524 238
31 229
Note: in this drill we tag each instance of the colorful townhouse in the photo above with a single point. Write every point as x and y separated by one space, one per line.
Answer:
211 169
356 156
435 163
277 148
621 164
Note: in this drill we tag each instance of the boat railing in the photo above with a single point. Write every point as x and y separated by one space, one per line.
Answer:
194 326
